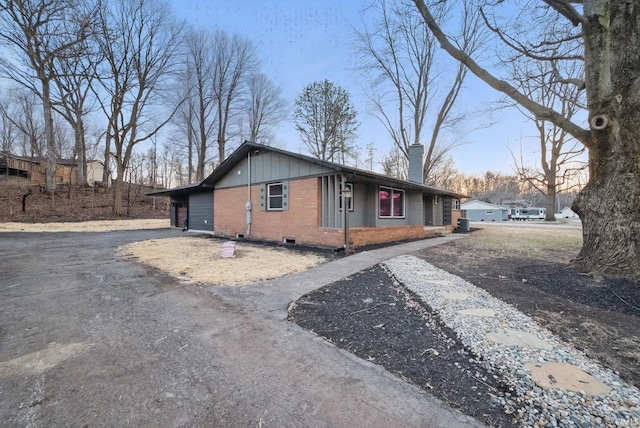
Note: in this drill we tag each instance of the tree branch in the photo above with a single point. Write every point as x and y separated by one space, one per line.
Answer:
540 111
564 8
579 83
523 50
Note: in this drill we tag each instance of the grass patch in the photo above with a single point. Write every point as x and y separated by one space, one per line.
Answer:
544 243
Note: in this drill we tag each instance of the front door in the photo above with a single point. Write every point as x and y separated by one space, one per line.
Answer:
181 214
428 210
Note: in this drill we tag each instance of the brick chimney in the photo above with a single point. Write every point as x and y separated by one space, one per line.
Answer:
416 152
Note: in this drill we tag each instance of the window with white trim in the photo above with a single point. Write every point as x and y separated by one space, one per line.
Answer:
436 200
275 196
456 204
390 202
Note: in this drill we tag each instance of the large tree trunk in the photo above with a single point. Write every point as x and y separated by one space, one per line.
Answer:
50 176
550 204
106 174
609 205
189 158
551 181
81 153
118 190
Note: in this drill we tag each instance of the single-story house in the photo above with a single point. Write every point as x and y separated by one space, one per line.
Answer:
476 210
266 193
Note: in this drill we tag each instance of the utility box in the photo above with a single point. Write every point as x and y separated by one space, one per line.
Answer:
463 225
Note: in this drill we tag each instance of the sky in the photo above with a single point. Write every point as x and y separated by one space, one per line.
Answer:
301 42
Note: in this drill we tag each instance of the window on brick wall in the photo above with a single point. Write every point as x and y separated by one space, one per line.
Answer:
456 205
275 196
390 202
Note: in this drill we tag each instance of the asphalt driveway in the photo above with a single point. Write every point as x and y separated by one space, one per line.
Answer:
88 338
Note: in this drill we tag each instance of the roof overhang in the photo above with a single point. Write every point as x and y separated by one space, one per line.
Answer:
182 190
354 175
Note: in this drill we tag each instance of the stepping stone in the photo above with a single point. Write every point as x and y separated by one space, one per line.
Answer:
478 312
518 338
566 376
452 295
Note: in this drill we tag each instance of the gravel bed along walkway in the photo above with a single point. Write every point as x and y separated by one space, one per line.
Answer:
534 405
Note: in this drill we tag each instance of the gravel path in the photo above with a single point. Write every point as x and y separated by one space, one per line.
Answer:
535 406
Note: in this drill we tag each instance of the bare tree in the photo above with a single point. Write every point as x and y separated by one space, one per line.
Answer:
25 117
184 119
234 61
408 85
444 175
37 34
266 108
370 150
73 78
169 166
559 161
598 33
326 120
8 129
198 113
8 134
395 163
139 40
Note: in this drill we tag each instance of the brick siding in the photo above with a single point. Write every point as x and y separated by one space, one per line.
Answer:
301 222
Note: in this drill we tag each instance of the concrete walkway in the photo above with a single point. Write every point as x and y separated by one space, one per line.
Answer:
339 388
276 295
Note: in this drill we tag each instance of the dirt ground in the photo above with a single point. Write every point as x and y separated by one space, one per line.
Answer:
202 262
22 201
201 258
528 267
85 226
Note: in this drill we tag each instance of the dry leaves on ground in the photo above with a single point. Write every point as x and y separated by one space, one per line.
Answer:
86 226
198 260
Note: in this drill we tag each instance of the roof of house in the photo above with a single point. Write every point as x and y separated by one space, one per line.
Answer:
37 159
355 174
479 205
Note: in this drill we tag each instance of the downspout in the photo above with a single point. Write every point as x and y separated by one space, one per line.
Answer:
345 212
248 204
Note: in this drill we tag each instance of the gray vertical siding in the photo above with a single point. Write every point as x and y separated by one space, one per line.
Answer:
482 215
201 210
269 167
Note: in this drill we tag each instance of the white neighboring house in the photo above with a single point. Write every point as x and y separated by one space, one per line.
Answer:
476 210
566 212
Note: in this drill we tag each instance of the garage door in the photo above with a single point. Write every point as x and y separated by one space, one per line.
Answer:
201 211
